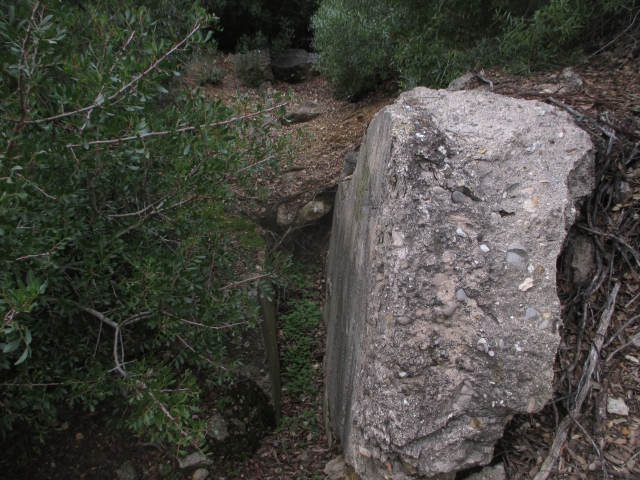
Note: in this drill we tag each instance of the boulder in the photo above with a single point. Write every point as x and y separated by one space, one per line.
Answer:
195 461
443 310
294 65
217 427
305 112
461 83
495 472
308 213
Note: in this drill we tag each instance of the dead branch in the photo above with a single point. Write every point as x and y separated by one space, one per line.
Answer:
584 386
242 282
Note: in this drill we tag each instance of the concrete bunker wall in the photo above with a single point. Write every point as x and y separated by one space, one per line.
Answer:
441 277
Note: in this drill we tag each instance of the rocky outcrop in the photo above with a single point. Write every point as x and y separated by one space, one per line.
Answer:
294 65
441 277
305 112
195 461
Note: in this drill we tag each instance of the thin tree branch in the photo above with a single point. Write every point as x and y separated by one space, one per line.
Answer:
179 130
101 317
140 212
123 88
247 280
26 257
50 197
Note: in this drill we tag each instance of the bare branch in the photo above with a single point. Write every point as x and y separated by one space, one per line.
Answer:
247 280
140 212
223 327
50 197
123 88
191 348
231 175
27 257
583 389
179 130
101 317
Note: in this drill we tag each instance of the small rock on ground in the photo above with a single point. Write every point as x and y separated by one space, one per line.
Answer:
127 472
200 474
617 406
335 468
305 112
217 427
196 460
490 473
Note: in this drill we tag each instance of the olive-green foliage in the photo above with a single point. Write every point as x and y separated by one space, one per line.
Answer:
365 42
249 68
299 325
112 260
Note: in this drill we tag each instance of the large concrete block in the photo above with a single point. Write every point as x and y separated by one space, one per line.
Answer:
442 277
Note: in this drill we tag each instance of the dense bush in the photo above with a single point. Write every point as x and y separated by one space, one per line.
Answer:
118 258
262 23
365 42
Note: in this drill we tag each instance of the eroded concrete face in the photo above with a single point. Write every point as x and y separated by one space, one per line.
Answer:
441 277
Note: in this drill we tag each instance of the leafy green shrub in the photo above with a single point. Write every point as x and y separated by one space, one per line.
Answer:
354 42
365 42
299 325
116 280
253 68
211 75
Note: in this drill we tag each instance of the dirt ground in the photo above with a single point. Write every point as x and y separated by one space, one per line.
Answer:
610 95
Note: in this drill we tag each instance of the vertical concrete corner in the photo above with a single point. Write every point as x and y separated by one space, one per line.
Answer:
443 309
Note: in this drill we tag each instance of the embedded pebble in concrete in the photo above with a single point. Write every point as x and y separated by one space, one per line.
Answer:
544 324
516 253
530 313
414 394
461 296
459 197
526 285
449 309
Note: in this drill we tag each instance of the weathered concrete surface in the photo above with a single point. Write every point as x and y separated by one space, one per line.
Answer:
441 277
